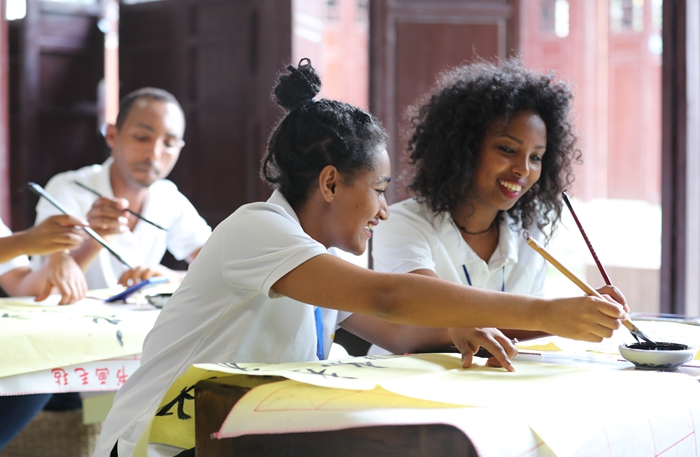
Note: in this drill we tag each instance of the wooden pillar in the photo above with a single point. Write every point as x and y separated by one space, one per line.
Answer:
111 78
4 121
680 248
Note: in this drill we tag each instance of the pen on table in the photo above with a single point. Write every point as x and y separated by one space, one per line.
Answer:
37 189
127 209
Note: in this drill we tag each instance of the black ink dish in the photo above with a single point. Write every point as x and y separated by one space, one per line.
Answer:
658 346
657 356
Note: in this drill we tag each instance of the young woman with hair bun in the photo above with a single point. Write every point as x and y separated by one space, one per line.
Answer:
264 288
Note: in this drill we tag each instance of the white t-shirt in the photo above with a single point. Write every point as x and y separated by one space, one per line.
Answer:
414 238
224 311
17 262
165 206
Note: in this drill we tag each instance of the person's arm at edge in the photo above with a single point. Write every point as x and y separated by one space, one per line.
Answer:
60 272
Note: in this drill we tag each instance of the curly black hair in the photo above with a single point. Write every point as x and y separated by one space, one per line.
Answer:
449 124
314 134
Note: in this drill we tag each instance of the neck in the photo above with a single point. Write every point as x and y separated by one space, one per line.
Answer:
473 220
314 219
478 228
121 189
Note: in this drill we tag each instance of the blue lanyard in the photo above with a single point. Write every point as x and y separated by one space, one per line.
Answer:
319 333
503 280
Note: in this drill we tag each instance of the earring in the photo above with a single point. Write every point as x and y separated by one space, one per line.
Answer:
331 198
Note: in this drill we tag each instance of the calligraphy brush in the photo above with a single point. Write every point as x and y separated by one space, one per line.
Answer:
588 242
626 321
600 266
127 209
37 189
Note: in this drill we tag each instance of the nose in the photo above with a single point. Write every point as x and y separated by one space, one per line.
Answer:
155 149
383 213
521 165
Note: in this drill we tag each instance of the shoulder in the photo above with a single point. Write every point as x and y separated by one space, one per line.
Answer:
260 221
262 213
414 213
66 177
165 188
165 194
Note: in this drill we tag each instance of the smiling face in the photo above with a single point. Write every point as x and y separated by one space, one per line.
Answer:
510 161
148 144
359 205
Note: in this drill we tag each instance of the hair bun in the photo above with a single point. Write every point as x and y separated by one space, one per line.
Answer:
297 87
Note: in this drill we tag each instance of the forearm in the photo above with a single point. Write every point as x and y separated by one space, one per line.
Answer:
414 299
86 253
23 281
12 246
428 302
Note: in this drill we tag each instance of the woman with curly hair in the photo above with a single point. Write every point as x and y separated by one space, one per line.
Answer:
491 151
265 288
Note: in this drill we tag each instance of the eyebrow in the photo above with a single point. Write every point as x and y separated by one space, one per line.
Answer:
519 141
151 129
385 179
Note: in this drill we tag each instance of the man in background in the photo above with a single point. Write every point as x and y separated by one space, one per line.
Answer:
145 144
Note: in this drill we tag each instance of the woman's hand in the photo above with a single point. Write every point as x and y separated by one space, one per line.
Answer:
584 318
55 234
63 273
469 340
612 292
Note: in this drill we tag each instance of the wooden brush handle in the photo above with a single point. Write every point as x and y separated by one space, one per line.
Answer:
572 276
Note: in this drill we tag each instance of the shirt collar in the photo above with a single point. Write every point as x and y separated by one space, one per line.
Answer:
278 199
506 251
508 243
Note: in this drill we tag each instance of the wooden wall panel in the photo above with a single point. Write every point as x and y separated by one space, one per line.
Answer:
4 120
56 65
413 40
220 59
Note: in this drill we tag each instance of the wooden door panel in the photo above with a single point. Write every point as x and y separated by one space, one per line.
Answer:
219 58
411 41
417 56
56 65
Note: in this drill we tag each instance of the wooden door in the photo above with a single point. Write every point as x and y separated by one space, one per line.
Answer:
56 56
220 59
411 41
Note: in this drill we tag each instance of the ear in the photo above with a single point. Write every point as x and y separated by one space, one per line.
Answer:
327 182
111 136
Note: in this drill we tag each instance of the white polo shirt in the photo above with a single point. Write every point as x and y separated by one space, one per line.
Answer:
17 262
165 206
413 238
224 311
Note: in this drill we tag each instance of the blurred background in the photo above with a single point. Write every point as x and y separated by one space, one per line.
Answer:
66 62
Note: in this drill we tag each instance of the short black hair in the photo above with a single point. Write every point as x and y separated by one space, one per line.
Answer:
152 93
449 124
314 134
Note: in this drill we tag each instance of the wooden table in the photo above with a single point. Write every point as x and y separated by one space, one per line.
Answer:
215 398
